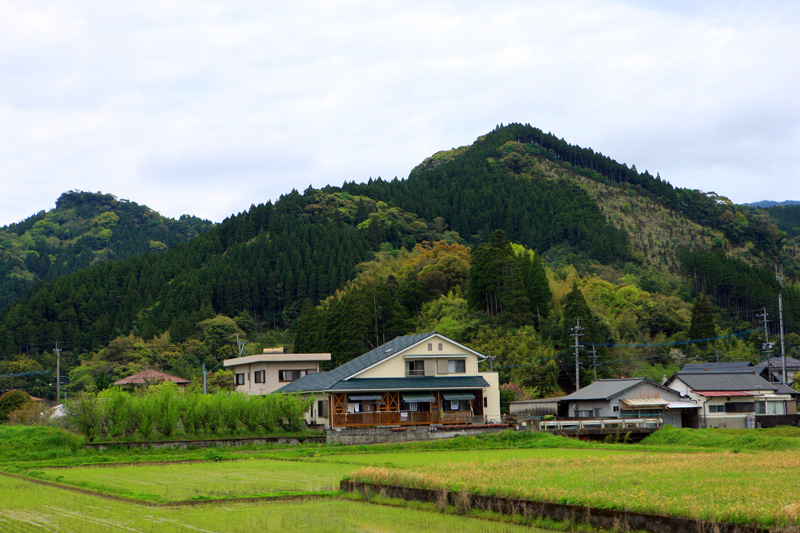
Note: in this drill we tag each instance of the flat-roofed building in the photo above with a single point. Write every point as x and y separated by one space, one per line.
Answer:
268 371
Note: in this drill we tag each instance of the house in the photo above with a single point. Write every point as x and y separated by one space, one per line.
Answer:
422 379
268 371
772 369
629 398
733 399
149 377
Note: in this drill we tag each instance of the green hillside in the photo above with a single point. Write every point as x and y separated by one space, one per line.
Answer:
502 244
84 229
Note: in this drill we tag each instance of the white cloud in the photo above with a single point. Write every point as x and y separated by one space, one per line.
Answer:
207 107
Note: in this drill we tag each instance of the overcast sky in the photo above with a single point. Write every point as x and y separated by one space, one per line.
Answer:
208 107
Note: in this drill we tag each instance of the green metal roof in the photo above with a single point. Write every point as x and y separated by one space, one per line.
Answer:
409 384
417 397
459 395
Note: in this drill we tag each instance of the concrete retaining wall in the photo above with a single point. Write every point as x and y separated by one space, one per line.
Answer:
215 443
351 436
600 518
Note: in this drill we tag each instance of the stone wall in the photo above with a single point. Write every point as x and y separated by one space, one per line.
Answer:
610 519
351 436
215 443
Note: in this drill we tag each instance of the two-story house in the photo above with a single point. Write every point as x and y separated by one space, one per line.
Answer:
420 379
268 371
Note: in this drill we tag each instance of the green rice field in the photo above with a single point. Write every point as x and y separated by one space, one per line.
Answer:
28 507
185 481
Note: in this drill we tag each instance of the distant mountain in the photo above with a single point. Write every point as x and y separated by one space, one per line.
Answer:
346 268
771 203
84 229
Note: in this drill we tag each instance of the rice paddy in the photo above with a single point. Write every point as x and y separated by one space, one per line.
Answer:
27 507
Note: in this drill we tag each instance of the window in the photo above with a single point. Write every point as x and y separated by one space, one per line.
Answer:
238 379
290 375
430 346
770 408
415 368
598 412
440 346
322 408
259 376
485 401
456 366
583 413
739 407
716 408
616 409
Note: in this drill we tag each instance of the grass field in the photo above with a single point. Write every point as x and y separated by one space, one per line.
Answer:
185 481
27 507
741 476
724 486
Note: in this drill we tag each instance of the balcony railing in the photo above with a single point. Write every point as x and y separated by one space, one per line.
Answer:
402 418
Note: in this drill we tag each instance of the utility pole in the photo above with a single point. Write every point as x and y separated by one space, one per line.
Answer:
58 373
576 333
779 275
594 361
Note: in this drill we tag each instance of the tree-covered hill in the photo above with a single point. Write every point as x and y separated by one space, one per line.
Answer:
503 244
84 229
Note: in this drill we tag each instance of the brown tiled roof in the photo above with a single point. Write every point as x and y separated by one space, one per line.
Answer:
151 376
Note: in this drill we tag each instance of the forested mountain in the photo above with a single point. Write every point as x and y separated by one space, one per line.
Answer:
84 229
504 244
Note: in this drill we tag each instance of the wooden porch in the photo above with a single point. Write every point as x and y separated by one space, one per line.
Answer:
389 411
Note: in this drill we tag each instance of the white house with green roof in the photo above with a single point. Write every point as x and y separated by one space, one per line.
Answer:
421 379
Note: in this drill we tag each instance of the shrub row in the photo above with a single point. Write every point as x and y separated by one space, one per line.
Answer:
164 410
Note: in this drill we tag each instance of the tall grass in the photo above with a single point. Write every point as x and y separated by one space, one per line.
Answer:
164 411
779 438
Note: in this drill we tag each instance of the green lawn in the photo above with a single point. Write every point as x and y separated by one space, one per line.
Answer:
28 507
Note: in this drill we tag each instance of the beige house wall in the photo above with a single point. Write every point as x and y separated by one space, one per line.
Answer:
313 415
271 375
434 350
492 395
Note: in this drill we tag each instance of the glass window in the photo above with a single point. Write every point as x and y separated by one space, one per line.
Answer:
259 376
456 366
415 368
716 408
290 375
239 379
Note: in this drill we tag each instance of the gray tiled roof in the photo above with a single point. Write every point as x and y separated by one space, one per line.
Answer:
324 380
724 381
604 389
415 383
731 366
776 363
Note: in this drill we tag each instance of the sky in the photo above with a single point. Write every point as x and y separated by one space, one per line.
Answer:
207 107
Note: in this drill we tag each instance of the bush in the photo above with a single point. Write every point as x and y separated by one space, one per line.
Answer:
84 410
293 407
11 401
116 405
166 402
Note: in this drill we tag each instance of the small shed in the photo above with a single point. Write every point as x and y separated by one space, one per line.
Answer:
149 377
